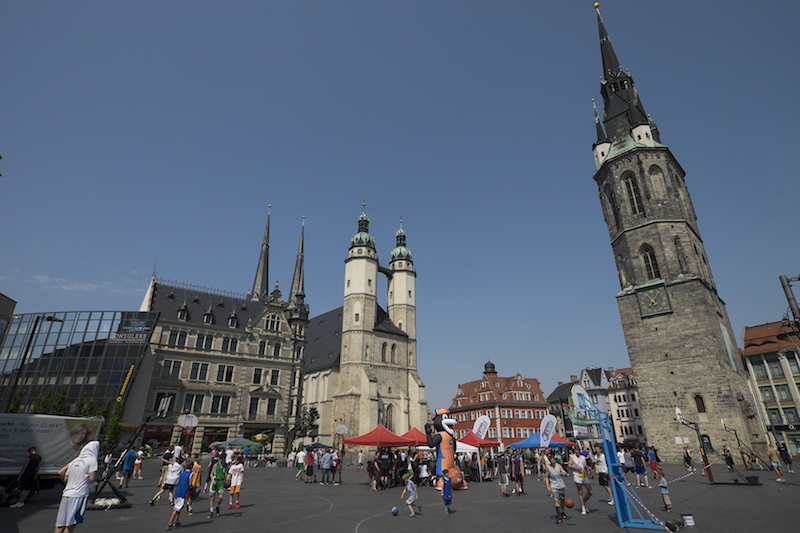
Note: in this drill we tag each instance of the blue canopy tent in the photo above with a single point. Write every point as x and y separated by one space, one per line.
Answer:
535 442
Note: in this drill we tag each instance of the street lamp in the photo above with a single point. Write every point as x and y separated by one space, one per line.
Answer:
17 371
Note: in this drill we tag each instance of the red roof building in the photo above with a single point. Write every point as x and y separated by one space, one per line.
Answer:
515 405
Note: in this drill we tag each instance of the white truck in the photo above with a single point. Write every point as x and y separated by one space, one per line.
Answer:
58 440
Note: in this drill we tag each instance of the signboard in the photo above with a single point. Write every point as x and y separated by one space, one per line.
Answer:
481 426
58 439
546 430
580 429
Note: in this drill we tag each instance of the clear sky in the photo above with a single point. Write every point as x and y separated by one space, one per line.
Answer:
142 135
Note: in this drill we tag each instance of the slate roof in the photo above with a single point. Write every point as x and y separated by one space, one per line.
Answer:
323 341
562 390
168 298
324 337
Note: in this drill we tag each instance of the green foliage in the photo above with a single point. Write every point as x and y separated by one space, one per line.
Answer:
109 439
16 401
43 402
61 407
307 422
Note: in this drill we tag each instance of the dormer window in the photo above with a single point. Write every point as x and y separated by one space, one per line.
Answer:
233 320
208 317
183 312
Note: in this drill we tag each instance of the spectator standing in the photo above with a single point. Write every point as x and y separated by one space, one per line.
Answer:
653 458
137 464
662 484
786 457
638 463
326 468
360 469
236 473
27 476
503 470
127 468
80 476
775 461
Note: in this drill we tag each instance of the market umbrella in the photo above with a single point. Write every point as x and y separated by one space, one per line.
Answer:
417 436
240 442
534 441
380 436
473 440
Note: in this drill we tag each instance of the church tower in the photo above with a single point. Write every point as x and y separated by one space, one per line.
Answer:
400 298
679 338
360 300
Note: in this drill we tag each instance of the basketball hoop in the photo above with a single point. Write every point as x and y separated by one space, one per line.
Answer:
188 422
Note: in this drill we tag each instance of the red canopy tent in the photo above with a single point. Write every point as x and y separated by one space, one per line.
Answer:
417 436
556 438
380 436
473 440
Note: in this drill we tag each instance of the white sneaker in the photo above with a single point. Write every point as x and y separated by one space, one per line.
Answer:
611 502
17 505
583 511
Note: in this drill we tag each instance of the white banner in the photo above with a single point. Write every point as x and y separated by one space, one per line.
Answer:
578 415
546 430
481 426
58 439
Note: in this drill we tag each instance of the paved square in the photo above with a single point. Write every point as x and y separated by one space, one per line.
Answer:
272 501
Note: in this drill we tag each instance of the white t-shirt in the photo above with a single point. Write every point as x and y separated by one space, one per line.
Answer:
139 456
177 451
578 461
173 473
236 472
228 456
600 460
78 484
360 458
301 457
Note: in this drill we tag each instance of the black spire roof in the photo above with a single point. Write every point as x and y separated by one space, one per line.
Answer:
259 291
623 110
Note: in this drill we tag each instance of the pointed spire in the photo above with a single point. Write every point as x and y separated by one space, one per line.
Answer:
601 133
297 293
623 109
262 272
363 238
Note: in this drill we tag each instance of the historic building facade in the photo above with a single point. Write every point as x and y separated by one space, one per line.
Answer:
772 355
233 360
515 405
623 404
361 360
679 339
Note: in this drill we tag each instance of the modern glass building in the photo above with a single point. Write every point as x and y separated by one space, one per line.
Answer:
90 354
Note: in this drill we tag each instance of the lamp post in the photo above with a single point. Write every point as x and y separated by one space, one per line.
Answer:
17 371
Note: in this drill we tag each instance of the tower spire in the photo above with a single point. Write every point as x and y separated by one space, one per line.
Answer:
623 110
297 293
262 272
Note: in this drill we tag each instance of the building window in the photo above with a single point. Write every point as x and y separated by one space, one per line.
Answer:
271 406
505 413
274 377
783 393
208 318
225 373
700 403
171 369
791 415
219 404
273 323
182 338
383 353
634 196
492 434
256 376
759 372
394 353
204 342
233 321
229 345
774 417
160 396
766 394
276 351
252 413
262 347
793 364
199 371
193 403
650 263
183 314
173 338
775 369
506 433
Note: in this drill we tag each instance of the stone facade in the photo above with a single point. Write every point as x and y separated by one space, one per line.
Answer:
677 331
361 359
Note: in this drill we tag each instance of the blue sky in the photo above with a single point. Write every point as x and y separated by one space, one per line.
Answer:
154 134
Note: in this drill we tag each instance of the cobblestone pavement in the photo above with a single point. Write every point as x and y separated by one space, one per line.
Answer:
272 501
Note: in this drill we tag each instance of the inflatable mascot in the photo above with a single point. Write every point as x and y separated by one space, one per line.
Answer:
441 437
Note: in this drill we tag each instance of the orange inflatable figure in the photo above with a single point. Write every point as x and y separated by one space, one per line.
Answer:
441 437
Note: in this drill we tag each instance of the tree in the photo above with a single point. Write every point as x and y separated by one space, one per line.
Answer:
16 401
61 407
306 424
43 402
110 436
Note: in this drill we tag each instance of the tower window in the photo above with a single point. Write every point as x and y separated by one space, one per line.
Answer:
701 405
650 263
634 196
383 353
612 202
356 317
394 352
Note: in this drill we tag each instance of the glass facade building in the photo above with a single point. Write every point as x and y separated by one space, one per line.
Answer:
90 354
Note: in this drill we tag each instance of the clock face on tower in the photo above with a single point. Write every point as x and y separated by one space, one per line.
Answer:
653 300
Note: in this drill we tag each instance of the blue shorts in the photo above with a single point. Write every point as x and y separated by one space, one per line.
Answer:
640 470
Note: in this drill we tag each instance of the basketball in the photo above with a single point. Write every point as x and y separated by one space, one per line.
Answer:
569 503
395 511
